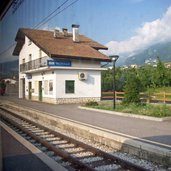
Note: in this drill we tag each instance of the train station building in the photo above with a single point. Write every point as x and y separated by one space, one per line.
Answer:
59 66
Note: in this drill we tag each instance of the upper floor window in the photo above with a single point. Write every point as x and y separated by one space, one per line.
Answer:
29 42
40 53
23 60
30 57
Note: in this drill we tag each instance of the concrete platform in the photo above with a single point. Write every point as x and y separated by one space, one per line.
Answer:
146 129
18 154
143 134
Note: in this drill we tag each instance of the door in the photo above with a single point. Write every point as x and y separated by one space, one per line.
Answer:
23 88
40 90
30 90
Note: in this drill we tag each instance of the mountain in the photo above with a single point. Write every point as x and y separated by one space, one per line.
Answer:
9 69
161 50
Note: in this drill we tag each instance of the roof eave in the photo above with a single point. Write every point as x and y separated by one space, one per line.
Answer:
79 57
20 39
100 48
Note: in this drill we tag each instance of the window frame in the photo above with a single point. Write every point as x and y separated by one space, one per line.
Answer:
29 42
72 91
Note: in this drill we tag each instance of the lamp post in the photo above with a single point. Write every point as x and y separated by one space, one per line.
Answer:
114 59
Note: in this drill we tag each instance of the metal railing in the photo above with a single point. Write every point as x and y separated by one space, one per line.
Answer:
34 64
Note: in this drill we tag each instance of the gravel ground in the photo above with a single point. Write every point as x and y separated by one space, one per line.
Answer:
108 167
144 163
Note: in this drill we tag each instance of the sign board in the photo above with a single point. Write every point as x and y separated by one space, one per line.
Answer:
59 63
29 76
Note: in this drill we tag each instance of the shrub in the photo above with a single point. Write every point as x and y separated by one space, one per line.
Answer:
91 103
132 89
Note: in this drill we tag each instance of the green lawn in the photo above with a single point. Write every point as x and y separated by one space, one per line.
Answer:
147 110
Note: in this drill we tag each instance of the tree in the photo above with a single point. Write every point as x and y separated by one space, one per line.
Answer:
107 80
148 76
132 89
160 74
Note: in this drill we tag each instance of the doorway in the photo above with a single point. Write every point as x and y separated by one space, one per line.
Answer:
40 91
23 88
30 90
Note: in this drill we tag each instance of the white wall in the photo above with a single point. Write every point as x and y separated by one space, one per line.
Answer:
30 49
86 88
86 64
47 76
24 54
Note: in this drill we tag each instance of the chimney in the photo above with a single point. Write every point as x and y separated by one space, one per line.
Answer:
56 33
65 31
75 29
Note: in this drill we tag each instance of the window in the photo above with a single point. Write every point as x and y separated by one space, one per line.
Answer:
69 86
30 57
23 60
46 87
40 53
50 87
29 42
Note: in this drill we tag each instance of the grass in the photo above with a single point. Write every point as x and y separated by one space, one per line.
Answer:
159 90
147 110
154 91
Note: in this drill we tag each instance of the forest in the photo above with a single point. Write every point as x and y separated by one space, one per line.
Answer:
146 78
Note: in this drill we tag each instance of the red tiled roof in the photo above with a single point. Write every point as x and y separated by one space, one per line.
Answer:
62 46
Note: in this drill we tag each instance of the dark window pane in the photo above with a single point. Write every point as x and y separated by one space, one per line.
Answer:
69 86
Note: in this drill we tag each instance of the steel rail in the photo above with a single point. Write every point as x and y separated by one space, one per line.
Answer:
108 157
66 156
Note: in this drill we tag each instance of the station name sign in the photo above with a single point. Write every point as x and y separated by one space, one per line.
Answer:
29 76
59 63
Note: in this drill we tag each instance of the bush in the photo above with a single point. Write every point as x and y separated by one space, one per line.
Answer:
91 103
132 89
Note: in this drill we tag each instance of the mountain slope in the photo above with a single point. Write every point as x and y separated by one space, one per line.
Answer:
162 50
8 69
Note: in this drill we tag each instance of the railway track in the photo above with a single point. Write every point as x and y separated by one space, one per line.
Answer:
72 154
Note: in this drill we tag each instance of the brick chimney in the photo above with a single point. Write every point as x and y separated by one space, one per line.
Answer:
56 33
65 31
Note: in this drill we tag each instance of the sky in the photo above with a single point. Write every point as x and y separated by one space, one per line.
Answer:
124 26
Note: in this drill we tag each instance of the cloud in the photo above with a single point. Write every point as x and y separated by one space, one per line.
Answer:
148 34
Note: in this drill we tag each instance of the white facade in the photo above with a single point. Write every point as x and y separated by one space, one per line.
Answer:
58 84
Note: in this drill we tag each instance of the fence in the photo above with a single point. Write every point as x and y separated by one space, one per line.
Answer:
12 89
162 97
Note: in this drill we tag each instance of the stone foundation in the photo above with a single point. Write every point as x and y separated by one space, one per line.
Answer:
65 100
76 100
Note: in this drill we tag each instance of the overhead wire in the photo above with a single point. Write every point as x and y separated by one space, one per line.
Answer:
46 19
51 14
59 12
